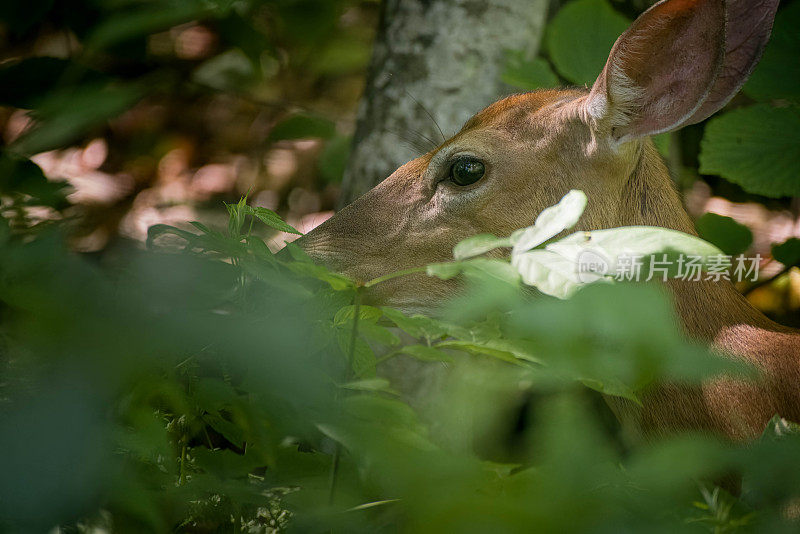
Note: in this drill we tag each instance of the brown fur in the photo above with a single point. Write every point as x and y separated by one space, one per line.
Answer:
678 63
537 146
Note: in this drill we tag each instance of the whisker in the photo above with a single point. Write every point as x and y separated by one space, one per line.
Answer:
417 144
428 113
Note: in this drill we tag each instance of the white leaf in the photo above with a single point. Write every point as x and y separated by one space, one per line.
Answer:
633 241
551 221
549 272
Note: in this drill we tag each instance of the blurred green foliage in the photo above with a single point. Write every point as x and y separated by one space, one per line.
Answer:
207 385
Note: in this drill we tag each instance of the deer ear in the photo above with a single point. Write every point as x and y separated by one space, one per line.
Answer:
747 28
671 68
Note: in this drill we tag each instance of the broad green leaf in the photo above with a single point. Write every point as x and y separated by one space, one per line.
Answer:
757 147
580 37
777 76
788 252
303 126
480 349
730 236
551 221
528 75
478 244
426 353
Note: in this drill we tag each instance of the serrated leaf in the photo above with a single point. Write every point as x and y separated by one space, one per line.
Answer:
580 37
271 219
757 147
365 313
730 236
363 359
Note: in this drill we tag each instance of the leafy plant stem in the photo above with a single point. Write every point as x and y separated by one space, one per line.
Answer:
182 476
396 274
337 452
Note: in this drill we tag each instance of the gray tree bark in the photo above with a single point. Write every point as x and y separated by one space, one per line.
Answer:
443 57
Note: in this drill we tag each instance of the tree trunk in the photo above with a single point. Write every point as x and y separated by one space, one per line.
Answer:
443 57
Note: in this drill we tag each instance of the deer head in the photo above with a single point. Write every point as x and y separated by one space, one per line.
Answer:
678 63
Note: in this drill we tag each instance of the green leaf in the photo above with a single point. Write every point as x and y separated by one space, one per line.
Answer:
378 334
67 115
480 349
418 326
757 147
479 268
23 84
777 76
271 219
363 359
150 18
528 75
228 430
365 313
426 353
788 252
580 37
730 236
478 244
303 126
612 387
369 384
24 176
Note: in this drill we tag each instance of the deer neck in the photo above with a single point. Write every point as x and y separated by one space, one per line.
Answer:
707 310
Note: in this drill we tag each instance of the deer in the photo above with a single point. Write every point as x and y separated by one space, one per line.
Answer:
677 64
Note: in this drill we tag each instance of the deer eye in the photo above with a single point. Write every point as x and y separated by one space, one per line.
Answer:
466 171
